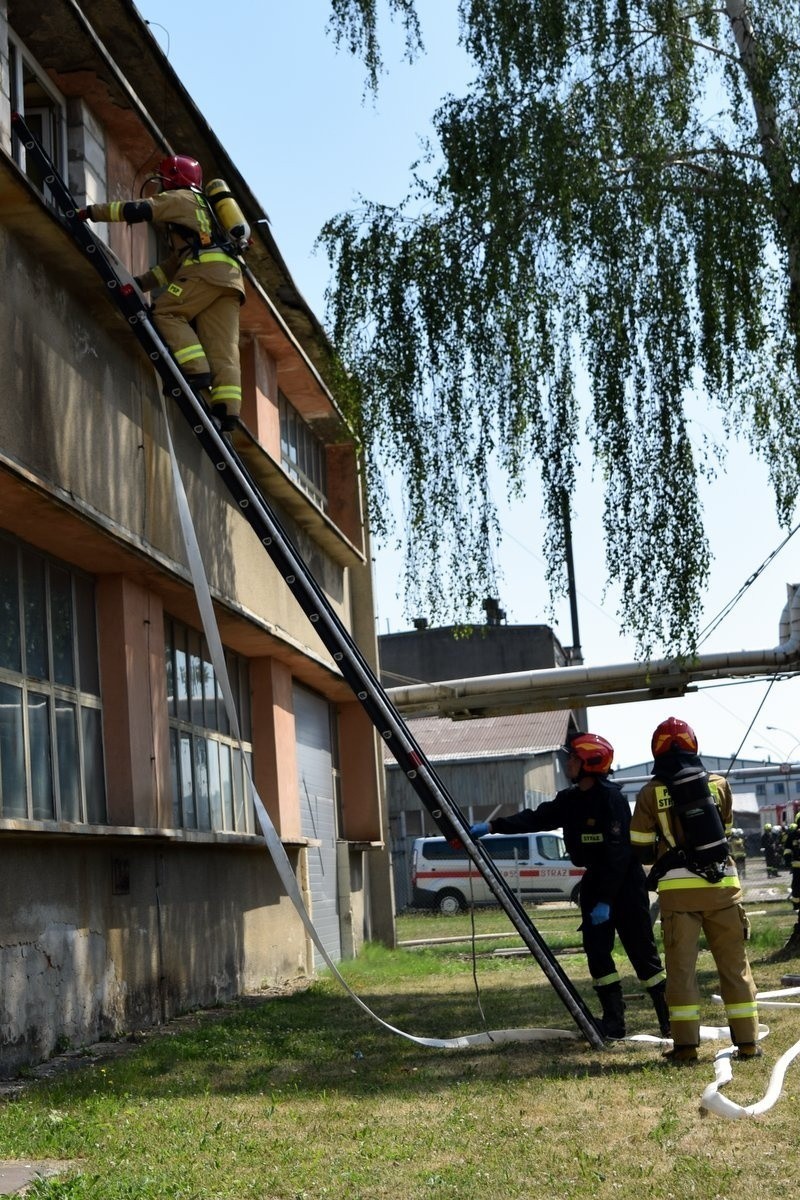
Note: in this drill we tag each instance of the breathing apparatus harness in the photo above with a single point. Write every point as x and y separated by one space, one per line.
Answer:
222 222
704 848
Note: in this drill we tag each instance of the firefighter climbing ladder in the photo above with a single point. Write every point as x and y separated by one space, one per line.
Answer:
257 512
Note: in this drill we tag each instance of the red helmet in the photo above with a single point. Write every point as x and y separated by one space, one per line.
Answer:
673 734
179 171
595 753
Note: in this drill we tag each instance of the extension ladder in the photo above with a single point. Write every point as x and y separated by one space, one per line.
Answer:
256 511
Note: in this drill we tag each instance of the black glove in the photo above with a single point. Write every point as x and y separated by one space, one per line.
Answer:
84 214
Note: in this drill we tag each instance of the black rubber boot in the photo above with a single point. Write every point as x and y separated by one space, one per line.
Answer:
226 421
612 1022
198 382
662 1011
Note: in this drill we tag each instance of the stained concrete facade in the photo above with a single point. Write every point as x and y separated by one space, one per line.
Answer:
117 909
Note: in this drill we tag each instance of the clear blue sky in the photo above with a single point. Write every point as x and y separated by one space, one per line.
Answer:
291 112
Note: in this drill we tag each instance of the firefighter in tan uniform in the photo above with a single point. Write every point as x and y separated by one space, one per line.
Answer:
680 821
198 312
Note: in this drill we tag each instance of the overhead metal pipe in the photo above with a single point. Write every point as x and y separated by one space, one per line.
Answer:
565 687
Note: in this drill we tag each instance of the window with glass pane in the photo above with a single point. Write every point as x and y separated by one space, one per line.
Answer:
207 768
51 749
44 109
302 453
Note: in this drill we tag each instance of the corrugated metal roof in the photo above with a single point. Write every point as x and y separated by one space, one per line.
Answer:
488 737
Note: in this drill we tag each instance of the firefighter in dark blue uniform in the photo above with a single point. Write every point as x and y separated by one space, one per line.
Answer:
595 818
791 858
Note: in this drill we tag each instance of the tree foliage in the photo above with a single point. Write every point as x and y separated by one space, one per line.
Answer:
610 211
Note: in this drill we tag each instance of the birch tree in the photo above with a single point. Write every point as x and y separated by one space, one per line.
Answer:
601 244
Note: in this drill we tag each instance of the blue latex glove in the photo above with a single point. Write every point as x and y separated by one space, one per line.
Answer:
479 830
600 913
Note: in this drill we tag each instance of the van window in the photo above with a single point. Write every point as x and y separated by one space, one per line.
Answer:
440 849
551 846
507 849
502 848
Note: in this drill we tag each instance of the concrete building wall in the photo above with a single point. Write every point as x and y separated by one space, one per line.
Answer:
103 935
428 655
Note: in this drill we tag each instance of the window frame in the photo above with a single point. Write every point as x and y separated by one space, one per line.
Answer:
53 137
303 454
91 795
194 729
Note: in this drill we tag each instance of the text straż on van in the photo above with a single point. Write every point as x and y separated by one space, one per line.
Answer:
534 865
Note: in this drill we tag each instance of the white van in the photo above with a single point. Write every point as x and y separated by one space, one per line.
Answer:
534 865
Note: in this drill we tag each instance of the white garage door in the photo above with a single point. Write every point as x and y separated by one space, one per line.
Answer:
315 772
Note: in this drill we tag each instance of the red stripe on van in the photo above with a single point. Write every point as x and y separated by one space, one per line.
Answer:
525 873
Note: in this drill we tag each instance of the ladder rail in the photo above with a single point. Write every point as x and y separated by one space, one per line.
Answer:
349 659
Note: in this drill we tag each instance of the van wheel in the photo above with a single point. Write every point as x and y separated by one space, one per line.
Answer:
450 902
575 897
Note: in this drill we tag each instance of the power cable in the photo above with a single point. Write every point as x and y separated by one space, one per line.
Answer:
713 624
750 726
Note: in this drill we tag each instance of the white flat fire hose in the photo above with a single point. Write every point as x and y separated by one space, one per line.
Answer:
711 1100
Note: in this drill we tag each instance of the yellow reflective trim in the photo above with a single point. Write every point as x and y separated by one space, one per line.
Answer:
606 980
654 979
189 353
684 1012
115 213
226 391
159 275
749 1009
643 839
206 256
203 218
673 885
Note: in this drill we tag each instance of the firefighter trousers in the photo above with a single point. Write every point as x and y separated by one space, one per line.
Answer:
199 321
725 930
630 919
794 895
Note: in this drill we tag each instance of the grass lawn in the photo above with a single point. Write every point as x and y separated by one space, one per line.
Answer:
304 1096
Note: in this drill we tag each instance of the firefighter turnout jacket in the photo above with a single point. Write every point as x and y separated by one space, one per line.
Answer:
690 904
197 313
595 823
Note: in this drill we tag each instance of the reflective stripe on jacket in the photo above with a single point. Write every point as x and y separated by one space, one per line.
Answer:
653 829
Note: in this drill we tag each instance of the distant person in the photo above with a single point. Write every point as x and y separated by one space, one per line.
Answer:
680 822
595 818
738 851
770 848
792 861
